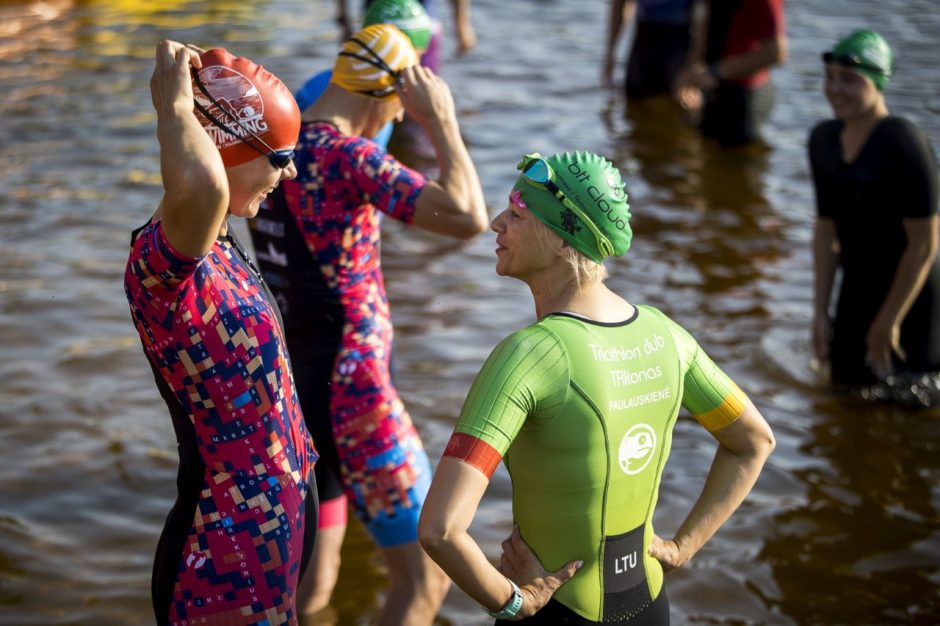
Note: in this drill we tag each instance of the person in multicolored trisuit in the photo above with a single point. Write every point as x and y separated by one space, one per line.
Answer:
234 545
875 176
581 406
410 18
317 240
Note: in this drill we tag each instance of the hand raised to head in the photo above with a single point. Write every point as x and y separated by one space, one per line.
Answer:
425 96
171 82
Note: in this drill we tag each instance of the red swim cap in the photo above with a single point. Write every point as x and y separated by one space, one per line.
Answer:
249 100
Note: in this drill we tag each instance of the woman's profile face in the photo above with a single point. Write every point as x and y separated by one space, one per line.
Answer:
251 182
851 95
519 249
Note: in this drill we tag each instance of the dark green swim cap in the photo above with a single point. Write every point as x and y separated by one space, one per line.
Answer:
598 226
867 53
408 15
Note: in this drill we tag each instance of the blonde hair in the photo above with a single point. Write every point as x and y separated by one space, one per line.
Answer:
582 268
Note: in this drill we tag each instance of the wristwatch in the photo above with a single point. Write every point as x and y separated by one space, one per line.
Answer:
512 606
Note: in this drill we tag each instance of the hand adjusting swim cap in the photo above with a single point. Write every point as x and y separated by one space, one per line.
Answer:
867 53
371 59
250 111
580 196
408 15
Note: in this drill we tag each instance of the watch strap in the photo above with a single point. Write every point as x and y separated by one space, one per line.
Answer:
512 606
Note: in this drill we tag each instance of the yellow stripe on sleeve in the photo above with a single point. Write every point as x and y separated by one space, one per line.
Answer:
730 409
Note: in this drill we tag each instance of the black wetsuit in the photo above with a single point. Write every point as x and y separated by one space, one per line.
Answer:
660 47
893 178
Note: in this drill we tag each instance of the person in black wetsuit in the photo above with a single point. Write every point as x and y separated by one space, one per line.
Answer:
876 194
727 76
663 34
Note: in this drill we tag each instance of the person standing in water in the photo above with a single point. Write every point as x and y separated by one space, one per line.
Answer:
661 41
581 406
234 545
875 177
318 242
727 77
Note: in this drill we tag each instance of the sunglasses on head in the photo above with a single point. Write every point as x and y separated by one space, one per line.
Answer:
537 172
377 61
279 159
849 60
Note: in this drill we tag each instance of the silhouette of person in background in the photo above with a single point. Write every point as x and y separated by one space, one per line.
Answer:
463 28
661 43
727 76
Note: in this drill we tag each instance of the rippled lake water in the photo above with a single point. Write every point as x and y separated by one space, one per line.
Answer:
842 527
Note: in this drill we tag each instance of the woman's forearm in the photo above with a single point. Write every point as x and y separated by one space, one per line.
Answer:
729 481
462 559
742 452
825 261
912 272
451 503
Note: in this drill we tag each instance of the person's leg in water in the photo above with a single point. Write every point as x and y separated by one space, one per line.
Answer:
316 587
385 473
416 589
313 373
387 493
417 586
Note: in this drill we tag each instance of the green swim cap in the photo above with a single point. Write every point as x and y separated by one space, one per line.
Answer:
599 224
408 15
867 53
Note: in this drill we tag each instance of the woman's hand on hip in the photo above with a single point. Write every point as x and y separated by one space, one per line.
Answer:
667 552
520 564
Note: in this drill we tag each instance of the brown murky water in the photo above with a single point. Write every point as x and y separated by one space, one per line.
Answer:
842 527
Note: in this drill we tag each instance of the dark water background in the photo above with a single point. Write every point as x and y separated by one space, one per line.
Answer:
842 527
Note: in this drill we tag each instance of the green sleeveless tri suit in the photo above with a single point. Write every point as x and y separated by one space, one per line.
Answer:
586 412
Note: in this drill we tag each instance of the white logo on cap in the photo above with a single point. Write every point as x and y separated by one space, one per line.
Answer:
237 98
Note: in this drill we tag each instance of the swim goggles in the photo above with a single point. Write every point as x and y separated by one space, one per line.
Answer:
279 159
850 60
376 61
537 172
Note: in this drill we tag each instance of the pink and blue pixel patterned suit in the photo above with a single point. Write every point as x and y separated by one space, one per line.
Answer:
317 241
232 548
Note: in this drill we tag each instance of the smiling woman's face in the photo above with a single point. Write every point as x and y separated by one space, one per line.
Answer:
519 249
251 182
851 95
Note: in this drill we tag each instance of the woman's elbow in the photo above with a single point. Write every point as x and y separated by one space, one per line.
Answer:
431 533
475 224
768 444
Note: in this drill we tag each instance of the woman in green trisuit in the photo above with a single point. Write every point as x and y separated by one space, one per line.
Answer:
580 406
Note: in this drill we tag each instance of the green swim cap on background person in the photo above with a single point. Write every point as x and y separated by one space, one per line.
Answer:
598 223
408 15
867 53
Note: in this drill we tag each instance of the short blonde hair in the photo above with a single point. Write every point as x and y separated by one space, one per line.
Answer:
585 270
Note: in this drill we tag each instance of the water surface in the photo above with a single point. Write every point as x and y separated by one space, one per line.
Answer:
842 527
